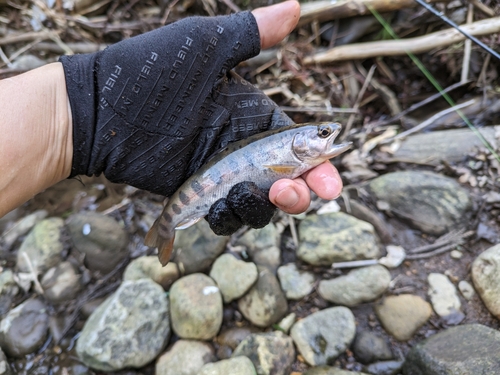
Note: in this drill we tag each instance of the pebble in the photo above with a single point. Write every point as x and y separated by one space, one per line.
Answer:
265 303
8 290
232 366
42 246
271 353
327 370
4 364
61 283
358 286
295 283
149 267
197 247
463 349
100 238
196 307
262 246
336 237
232 337
129 329
466 289
384 368
403 315
429 201
455 254
444 298
486 277
369 347
185 357
324 335
287 322
21 227
24 329
234 277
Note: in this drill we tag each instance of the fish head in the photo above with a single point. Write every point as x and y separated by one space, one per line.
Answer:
314 143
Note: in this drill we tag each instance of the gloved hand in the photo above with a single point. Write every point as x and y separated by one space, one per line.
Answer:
149 111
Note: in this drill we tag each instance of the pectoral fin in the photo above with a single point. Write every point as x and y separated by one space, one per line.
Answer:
187 223
282 168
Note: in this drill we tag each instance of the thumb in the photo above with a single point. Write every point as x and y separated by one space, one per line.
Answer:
276 21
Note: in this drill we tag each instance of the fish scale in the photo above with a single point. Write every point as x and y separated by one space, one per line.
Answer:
286 152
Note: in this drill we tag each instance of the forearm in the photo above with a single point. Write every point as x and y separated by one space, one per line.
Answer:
36 144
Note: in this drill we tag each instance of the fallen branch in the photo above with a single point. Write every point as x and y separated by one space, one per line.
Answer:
403 46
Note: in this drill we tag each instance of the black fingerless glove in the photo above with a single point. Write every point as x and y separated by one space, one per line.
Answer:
150 110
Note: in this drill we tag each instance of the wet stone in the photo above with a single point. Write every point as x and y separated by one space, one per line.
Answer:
336 237
185 357
129 329
295 283
234 277
464 349
262 246
444 298
24 329
358 286
403 315
429 201
149 267
42 247
486 277
61 283
322 336
100 238
368 347
196 307
231 366
271 353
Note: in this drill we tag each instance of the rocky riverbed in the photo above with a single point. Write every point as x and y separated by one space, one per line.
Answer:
410 290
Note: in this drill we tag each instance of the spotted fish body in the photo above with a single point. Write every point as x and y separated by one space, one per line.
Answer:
263 159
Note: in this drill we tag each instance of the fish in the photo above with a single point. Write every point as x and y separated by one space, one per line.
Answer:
264 158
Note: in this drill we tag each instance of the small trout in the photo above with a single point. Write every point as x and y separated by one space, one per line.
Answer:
264 158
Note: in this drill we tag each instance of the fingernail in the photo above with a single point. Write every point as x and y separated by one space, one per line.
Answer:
287 197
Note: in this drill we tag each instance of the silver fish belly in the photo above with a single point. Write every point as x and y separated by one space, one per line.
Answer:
265 158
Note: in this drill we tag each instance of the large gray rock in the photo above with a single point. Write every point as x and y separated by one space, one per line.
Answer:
128 330
231 366
358 286
100 238
41 249
262 246
24 329
196 307
461 350
265 303
428 201
234 277
61 283
444 298
271 353
197 247
150 267
296 284
486 277
324 335
186 357
336 237
402 316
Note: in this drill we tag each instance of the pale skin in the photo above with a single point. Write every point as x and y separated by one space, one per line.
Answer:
36 144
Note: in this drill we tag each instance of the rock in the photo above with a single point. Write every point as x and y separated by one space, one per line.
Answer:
429 201
358 286
100 238
455 254
195 307
61 283
197 247
327 370
384 368
232 337
336 237
42 246
402 316
296 284
24 329
464 349
27 62
21 227
265 303
287 322
466 289
368 347
234 277
186 357
231 366
324 335
444 298
271 353
8 290
4 364
129 329
150 267
263 246
486 278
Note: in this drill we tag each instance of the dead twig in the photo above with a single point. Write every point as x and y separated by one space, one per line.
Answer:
467 47
443 244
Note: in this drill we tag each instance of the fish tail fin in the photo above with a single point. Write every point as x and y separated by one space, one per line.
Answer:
165 244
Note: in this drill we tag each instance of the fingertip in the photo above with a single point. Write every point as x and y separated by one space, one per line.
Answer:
325 181
291 196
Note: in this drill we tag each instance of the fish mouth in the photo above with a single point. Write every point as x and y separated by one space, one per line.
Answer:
336 150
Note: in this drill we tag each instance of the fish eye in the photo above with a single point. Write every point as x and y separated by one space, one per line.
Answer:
324 131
